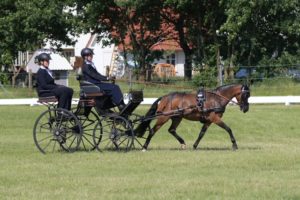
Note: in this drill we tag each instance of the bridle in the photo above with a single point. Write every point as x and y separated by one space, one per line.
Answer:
244 91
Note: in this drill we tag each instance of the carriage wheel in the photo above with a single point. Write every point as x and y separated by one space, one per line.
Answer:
56 130
113 133
88 124
139 140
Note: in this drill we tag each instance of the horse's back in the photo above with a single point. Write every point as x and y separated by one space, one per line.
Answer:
177 100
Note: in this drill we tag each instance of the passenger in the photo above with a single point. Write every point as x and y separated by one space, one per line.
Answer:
91 74
47 87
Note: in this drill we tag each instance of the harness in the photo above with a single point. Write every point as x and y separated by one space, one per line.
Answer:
201 98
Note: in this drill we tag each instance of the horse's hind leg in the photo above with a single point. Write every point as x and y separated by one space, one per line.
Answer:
201 134
175 122
224 126
160 121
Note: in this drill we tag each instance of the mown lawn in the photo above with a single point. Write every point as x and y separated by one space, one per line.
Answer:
266 165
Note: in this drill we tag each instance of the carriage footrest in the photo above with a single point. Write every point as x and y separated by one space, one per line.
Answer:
49 99
97 94
129 108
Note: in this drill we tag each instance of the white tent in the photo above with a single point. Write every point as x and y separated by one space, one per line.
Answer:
57 62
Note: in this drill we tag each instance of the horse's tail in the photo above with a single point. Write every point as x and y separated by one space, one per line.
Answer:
142 127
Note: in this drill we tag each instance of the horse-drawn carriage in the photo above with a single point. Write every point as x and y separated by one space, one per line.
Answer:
92 126
89 126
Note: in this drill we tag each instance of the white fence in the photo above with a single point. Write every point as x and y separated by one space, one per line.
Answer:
286 100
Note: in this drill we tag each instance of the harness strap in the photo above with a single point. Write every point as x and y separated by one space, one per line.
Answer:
229 100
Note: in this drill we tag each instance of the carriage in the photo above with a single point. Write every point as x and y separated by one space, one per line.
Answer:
88 126
92 126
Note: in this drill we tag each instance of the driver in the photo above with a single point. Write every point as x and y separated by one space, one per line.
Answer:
91 74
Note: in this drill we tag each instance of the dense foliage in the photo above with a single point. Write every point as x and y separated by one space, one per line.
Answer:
210 32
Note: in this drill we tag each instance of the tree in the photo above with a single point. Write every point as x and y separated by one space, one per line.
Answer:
195 22
262 32
133 24
27 25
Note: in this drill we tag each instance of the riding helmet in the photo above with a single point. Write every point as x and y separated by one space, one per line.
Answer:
43 57
86 52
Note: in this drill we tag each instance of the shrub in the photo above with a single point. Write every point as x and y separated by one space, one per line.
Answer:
206 77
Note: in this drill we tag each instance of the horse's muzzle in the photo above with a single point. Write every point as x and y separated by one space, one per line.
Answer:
244 107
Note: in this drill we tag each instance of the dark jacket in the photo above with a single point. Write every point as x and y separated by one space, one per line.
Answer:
90 74
44 82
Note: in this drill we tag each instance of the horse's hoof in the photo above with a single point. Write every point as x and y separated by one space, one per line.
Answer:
234 147
183 146
144 150
194 147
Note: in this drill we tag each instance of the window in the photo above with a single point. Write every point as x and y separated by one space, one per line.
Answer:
67 53
171 59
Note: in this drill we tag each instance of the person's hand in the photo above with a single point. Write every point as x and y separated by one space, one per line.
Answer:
111 78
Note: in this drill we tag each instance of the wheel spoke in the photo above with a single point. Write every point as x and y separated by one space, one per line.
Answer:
50 129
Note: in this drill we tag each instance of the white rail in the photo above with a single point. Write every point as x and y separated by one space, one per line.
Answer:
286 100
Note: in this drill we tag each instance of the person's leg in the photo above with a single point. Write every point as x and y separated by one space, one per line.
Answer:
64 95
114 91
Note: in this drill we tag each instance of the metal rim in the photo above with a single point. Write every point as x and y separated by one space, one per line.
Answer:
113 133
57 130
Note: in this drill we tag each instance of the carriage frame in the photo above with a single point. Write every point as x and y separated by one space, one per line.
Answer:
90 125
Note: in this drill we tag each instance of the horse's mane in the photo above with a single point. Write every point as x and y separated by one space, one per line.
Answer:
223 87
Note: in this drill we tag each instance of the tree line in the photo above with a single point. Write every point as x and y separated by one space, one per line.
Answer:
210 32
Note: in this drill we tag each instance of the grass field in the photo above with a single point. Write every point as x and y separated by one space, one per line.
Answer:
266 165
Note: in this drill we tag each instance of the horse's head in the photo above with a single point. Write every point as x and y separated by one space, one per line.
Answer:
242 98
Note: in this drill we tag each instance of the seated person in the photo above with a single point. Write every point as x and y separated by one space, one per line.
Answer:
47 87
90 74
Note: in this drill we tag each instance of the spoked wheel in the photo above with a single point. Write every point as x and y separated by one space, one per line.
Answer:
56 130
88 124
140 138
113 133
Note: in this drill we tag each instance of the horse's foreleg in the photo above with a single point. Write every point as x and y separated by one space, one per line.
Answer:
160 121
224 126
201 134
172 130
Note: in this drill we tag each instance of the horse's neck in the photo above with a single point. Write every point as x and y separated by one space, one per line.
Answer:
230 92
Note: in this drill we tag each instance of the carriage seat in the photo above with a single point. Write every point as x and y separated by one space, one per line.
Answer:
47 97
50 99
88 89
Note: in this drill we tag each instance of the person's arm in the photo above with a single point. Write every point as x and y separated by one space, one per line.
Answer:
42 81
93 74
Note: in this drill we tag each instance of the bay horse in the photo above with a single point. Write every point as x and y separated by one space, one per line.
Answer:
179 105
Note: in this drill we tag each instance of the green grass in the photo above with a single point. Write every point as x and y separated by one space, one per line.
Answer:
266 165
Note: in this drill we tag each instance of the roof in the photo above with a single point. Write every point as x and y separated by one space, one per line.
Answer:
167 45
57 62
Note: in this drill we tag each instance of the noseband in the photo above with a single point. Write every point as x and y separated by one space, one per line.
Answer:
245 93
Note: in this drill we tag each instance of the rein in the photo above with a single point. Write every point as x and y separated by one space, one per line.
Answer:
229 100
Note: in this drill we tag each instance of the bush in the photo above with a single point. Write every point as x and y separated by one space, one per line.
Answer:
4 79
206 77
